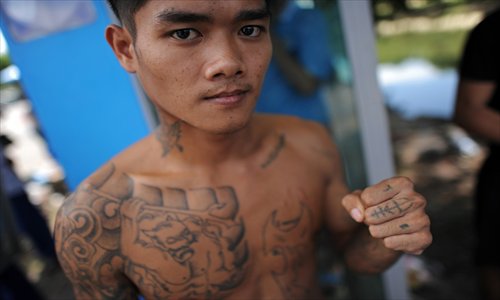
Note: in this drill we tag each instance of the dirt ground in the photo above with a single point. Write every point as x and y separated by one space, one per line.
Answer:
442 161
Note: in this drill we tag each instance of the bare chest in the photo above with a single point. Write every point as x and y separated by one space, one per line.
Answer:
223 239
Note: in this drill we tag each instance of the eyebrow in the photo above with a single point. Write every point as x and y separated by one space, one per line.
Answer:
182 17
191 17
253 14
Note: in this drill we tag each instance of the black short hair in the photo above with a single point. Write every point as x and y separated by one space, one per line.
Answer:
125 11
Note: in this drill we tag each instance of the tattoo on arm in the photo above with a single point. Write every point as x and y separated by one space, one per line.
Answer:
276 151
169 135
169 242
87 234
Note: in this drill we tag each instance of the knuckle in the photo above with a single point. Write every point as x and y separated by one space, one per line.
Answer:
420 201
424 241
426 221
366 197
389 243
428 240
374 231
404 182
407 181
348 199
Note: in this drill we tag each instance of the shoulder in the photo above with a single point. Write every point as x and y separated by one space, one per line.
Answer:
109 180
87 237
98 194
486 28
299 130
309 139
491 21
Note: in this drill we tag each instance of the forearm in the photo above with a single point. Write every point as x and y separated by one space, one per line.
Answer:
304 82
472 111
479 121
366 254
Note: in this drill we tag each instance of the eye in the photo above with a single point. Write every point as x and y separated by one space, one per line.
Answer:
185 34
251 31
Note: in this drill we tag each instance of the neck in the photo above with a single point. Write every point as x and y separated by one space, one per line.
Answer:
194 146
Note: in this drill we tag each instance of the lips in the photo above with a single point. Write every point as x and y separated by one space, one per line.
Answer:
228 96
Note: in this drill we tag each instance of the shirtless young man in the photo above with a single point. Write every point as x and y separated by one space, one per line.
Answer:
220 203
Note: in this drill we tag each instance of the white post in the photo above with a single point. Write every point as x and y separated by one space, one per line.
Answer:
359 37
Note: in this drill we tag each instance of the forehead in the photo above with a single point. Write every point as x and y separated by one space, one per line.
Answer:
155 11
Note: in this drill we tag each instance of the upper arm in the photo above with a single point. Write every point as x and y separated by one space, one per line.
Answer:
337 220
473 94
472 111
479 70
88 249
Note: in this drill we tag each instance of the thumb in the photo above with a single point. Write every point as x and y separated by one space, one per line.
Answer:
352 203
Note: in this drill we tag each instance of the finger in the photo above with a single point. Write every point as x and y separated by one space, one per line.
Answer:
393 208
352 203
405 225
414 243
385 190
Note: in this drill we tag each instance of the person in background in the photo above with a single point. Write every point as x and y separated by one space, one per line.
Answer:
29 219
477 110
301 63
14 284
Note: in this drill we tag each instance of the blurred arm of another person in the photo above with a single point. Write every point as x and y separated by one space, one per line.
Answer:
477 106
302 56
472 111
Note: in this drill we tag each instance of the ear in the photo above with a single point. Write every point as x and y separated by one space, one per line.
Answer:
122 44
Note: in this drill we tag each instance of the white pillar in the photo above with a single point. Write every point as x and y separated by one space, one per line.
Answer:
359 37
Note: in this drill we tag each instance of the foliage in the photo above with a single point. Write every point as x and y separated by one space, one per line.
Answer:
443 49
4 61
392 9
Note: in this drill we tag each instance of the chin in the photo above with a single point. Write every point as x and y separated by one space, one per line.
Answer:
230 127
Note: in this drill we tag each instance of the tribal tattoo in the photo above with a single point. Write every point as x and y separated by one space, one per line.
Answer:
170 242
286 239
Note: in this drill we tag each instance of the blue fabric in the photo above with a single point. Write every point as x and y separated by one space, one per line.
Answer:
304 33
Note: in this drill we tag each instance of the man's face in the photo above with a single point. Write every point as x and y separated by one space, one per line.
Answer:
203 61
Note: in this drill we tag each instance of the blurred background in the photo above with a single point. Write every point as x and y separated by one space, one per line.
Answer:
417 48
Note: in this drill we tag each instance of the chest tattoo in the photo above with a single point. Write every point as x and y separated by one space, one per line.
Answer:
195 237
287 240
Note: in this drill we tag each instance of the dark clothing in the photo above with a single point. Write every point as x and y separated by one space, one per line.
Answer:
32 223
487 207
28 218
481 57
13 283
15 286
481 62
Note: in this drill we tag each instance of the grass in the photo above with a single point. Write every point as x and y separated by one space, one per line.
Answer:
4 61
443 49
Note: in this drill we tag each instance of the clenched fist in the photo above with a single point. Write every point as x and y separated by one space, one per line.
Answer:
394 212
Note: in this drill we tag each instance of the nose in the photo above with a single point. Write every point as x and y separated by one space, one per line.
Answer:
225 60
